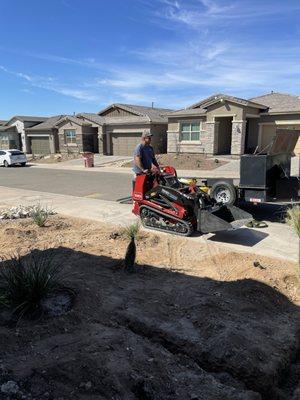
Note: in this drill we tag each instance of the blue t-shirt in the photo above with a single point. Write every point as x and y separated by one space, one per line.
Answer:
147 157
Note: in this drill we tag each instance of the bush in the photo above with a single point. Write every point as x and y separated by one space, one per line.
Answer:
293 218
25 281
131 231
40 214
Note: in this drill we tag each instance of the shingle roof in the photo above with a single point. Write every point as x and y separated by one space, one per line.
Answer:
154 114
4 128
134 119
49 124
97 119
140 118
2 122
188 112
201 106
72 118
27 118
279 102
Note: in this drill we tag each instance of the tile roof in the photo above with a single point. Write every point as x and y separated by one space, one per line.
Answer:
152 113
201 106
49 124
188 112
27 118
72 118
4 128
97 119
134 119
279 102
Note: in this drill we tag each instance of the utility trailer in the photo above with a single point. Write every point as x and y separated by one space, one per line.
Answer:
265 177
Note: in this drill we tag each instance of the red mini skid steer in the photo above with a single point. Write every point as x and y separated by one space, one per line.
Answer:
164 203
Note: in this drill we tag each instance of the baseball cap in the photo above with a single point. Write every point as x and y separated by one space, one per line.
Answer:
146 134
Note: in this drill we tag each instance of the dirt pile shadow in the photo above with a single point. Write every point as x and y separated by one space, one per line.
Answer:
156 334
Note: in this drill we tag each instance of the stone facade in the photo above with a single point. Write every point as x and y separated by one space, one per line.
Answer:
223 129
209 137
238 137
101 140
70 147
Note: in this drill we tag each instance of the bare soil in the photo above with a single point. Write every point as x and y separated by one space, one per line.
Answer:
187 161
54 158
193 321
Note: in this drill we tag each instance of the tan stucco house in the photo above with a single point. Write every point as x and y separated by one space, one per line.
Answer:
223 124
12 132
62 134
114 130
120 127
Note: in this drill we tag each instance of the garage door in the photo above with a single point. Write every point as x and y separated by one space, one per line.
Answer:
40 145
123 144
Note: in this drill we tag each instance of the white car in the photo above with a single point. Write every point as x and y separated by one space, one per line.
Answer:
12 157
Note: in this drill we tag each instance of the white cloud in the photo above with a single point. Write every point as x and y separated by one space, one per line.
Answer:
216 55
52 84
197 14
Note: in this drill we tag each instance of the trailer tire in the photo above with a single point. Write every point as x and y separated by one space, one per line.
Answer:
223 192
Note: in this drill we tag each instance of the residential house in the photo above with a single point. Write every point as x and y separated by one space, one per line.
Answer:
42 138
64 134
12 132
120 127
223 124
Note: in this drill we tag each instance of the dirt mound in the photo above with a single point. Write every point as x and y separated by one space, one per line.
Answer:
186 161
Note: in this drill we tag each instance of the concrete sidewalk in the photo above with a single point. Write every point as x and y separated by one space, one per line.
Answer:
228 173
277 240
229 170
72 206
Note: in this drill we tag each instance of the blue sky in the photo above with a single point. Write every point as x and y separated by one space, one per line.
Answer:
65 56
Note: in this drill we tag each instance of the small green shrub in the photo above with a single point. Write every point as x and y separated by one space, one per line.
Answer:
40 215
293 218
25 281
131 232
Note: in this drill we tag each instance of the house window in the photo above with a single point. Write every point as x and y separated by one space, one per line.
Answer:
4 140
70 135
190 131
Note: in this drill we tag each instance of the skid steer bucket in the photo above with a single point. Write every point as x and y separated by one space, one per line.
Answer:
222 218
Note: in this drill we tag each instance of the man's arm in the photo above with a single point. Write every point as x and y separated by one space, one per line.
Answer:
154 161
138 162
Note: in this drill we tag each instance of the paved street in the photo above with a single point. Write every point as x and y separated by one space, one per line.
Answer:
98 185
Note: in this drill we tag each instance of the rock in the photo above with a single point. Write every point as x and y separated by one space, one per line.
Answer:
10 387
22 212
114 235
